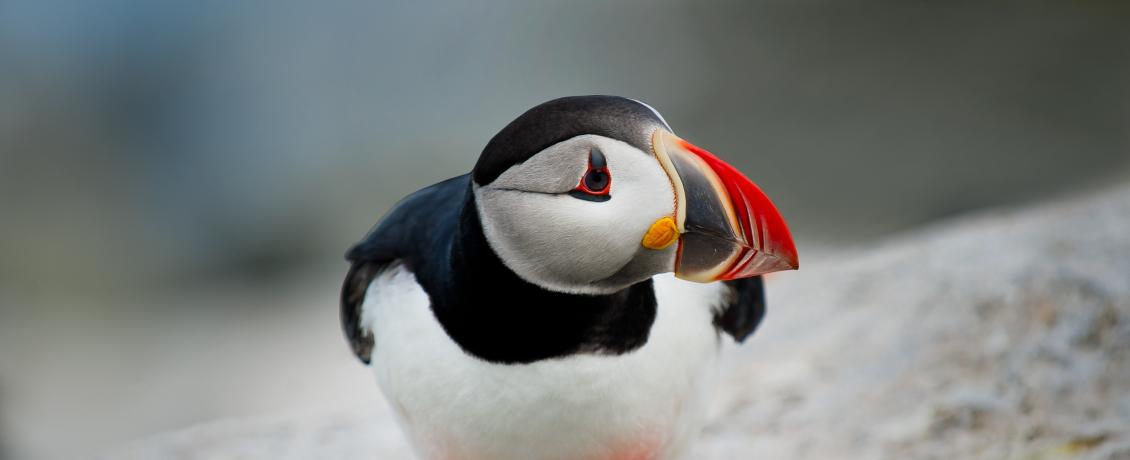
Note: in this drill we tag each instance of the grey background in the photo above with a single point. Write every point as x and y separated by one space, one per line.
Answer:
172 174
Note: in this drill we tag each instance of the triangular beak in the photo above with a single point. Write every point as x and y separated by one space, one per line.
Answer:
729 228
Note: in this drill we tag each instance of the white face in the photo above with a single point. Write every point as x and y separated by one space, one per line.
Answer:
572 242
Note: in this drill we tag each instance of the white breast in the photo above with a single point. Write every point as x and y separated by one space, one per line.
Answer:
646 404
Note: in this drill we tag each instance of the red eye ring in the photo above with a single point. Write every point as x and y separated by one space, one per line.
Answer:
596 180
596 183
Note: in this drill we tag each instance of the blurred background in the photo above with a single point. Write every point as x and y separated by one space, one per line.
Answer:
179 180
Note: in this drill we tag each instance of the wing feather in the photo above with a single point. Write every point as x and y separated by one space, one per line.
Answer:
745 309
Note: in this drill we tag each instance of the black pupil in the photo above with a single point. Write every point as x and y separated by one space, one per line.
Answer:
596 180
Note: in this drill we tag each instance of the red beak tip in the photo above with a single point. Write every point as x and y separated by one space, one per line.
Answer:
769 245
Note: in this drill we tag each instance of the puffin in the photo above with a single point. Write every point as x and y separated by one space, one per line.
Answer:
567 299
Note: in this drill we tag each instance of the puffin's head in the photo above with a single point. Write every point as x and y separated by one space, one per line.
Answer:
592 194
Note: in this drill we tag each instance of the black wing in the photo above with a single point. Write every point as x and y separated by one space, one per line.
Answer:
352 297
407 235
746 307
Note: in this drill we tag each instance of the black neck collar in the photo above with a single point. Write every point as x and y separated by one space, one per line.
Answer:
495 315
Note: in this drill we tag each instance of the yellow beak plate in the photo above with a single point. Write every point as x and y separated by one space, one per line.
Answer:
661 234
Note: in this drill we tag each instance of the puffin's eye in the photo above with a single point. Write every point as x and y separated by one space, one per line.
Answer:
597 180
595 184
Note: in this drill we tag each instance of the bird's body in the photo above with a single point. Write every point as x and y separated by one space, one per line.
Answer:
519 312
642 405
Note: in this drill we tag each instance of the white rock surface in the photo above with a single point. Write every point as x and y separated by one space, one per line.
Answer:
1004 335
